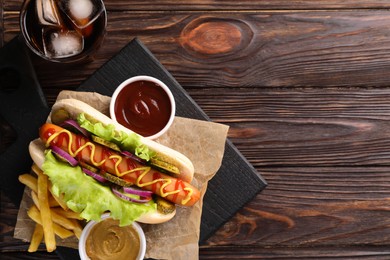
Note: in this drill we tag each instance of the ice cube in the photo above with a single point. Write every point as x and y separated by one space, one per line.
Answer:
62 43
80 9
82 12
47 12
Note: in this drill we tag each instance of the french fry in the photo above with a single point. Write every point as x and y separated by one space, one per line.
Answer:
63 221
52 201
35 199
29 180
59 199
67 213
49 212
59 217
62 232
35 215
46 218
36 238
36 169
78 228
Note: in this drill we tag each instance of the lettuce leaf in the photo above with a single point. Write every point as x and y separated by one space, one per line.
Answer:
85 195
128 142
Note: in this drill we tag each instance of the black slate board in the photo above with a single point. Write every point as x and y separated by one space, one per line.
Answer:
236 183
23 109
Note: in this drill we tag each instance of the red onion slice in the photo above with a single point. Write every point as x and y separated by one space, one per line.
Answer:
62 155
124 197
72 125
135 191
94 175
133 156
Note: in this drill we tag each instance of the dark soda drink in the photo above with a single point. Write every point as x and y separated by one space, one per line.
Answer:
63 30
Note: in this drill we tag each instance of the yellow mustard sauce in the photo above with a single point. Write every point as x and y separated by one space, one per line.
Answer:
119 158
107 240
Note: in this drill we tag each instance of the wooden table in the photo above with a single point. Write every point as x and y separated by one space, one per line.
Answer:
304 87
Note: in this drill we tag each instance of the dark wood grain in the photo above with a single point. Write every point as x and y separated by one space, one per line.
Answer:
264 49
10 247
334 252
304 87
318 127
246 5
10 26
267 49
1 23
202 5
319 206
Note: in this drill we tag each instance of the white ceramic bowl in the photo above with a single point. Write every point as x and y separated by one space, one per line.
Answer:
91 224
156 81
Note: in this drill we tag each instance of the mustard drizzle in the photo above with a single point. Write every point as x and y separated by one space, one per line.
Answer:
119 158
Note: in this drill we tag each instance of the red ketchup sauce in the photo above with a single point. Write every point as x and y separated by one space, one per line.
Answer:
143 107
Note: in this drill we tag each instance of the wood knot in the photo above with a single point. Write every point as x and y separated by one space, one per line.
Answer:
213 36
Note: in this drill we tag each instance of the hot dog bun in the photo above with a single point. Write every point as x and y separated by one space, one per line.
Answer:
37 149
74 107
115 163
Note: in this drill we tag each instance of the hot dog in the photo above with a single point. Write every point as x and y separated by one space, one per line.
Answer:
181 166
157 169
170 188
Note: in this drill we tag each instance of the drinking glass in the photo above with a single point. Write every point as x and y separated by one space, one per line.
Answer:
63 30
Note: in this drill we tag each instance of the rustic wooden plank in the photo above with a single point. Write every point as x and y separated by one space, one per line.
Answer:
305 211
309 207
10 26
272 49
28 256
246 5
172 5
320 127
375 253
267 49
1 23
250 252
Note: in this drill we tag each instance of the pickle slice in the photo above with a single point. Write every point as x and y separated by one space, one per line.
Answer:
116 180
88 167
59 116
164 166
105 143
164 206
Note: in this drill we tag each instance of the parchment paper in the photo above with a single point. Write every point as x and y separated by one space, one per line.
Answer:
202 142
